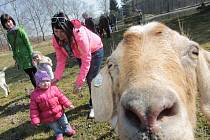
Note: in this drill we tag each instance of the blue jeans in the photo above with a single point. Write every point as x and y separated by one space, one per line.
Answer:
96 60
60 126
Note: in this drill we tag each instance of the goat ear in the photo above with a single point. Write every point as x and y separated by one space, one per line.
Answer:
101 93
203 76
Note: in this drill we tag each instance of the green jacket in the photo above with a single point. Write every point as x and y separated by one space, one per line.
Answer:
22 49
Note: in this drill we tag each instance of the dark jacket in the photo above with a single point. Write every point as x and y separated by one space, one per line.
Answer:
103 22
90 24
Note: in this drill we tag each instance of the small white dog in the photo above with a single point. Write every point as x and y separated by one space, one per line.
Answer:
3 83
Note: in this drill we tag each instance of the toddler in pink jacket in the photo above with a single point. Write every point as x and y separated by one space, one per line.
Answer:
47 105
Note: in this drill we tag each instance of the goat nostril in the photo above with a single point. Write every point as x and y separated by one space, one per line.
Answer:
145 109
140 118
167 112
133 118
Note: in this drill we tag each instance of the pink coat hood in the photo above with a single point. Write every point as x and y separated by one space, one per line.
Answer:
48 105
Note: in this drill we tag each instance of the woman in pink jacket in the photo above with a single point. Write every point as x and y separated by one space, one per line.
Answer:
71 39
47 105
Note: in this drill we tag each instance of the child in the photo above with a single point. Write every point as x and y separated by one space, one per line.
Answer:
20 45
42 62
47 105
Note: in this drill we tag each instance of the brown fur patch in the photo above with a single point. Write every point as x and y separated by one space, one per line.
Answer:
132 49
131 38
159 29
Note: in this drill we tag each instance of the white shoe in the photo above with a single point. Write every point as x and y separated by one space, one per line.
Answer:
91 115
6 95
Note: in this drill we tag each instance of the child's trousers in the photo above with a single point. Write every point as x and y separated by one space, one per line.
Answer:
60 126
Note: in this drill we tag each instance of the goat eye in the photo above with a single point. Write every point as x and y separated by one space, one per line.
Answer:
194 50
158 33
110 65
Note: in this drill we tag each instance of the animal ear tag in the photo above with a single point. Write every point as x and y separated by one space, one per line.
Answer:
98 80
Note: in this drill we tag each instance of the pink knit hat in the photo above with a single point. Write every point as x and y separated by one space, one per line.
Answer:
41 76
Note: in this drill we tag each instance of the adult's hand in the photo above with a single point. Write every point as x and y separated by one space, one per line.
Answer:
76 89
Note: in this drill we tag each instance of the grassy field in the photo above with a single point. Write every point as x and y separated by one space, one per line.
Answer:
14 110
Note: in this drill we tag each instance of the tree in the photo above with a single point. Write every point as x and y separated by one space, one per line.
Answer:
125 7
104 5
38 15
113 5
15 8
32 18
202 2
75 8
124 2
35 15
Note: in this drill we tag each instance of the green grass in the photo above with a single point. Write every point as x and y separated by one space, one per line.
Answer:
14 110
195 26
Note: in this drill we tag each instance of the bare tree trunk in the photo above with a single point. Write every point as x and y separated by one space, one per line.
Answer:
51 6
104 5
3 37
40 25
202 2
14 7
63 4
1 41
39 16
76 9
33 19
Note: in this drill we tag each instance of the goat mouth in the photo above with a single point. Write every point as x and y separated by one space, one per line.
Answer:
146 135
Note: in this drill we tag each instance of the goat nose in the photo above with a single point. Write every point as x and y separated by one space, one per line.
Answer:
149 110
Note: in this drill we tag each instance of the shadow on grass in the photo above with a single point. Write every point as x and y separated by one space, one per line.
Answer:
14 75
106 136
22 131
14 106
79 111
26 129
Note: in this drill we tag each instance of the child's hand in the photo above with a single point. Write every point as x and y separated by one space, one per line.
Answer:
72 107
36 125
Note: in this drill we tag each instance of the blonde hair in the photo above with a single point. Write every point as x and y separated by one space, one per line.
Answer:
35 53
